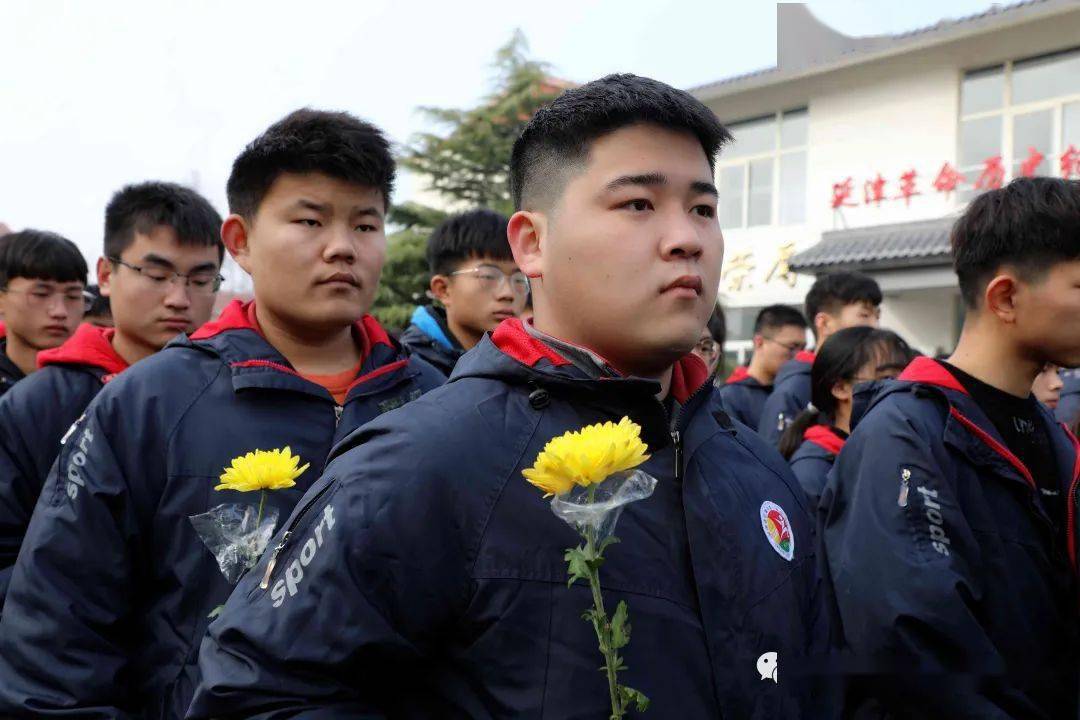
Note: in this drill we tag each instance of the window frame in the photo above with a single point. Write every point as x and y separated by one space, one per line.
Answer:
774 154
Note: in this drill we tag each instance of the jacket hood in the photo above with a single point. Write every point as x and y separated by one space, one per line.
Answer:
90 346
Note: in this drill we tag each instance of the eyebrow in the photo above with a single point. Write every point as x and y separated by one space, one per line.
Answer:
154 259
370 210
654 179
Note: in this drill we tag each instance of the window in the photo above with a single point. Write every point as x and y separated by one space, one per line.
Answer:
762 175
1019 111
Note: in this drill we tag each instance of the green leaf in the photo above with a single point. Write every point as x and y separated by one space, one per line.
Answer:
215 612
611 540
629 696
620 626
577 566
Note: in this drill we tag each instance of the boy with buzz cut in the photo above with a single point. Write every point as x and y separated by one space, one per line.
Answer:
445 569
950 516
162 228
42 278
476 281
779 335
835 301
114 588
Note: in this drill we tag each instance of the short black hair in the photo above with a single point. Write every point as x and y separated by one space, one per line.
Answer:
556 140
335 144
141 208
1031 224
717 325
775 317
40 255
97 305
832 292
474 234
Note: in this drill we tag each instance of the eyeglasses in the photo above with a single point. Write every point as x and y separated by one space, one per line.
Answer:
44 296
491 277
792 348
204 282
707 346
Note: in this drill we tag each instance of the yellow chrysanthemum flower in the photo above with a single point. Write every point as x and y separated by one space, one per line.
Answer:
262 470
588 456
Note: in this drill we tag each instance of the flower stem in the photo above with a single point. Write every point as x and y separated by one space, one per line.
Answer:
262 500
603 627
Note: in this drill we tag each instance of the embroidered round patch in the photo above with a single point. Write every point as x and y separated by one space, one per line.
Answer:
774 521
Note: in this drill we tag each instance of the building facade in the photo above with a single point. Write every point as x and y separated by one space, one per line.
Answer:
858 153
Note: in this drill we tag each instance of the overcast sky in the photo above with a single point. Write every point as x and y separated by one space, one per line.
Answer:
94 95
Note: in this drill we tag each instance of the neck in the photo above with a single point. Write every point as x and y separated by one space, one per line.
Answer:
467 337
842 418
981 354
757 370
23 355
130 347
323 354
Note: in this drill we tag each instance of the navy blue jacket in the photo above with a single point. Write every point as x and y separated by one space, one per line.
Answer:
430 338
34 417
814 459
742 397
424 577
949 580
1068 409
790 396
110 596
9 371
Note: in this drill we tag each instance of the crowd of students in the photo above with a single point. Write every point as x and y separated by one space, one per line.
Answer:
921 558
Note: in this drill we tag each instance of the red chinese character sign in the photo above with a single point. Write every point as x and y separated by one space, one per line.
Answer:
993 174
1031 164
841 194
907 187
874 190
1070 162
948 179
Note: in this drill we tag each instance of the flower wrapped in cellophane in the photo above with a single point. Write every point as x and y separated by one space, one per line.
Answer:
237 533
591 475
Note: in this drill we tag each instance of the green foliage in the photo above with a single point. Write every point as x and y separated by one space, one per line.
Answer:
467 166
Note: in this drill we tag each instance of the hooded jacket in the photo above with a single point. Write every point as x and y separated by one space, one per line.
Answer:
956 595
814 458
429 337
743 398
790 396
10 373
424 577
113 587
34 417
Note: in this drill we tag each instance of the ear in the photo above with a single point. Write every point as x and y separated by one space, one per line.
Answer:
104 276
823 326
843 390
759 341
525 232
440 288
1000 296
234 234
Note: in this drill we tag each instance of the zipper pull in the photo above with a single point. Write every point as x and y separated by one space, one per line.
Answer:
338 410
676 439
905 486
273 561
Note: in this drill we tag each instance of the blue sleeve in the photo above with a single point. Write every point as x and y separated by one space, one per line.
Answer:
64 640
33 419
905 591
370 572
780 410
811 473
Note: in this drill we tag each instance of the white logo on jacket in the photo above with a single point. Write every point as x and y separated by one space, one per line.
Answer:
294 571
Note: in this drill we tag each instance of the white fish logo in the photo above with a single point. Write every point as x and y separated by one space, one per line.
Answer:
768 666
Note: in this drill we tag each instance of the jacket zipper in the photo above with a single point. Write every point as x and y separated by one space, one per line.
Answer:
288 534
676 434
905 487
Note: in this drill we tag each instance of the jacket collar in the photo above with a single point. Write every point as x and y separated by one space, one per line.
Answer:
90 346
236 338
10 373
432 322
825 438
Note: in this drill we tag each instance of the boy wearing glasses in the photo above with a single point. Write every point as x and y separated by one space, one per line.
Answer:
835 301
779 335
167 228
114 588
475 279
42 277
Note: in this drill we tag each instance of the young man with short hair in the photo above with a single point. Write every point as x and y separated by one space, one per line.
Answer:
114 587
835 301
163 228
475 280
779 335
710 344
950 516
42 277
445 569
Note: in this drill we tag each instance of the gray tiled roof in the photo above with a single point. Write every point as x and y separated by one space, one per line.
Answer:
881 247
